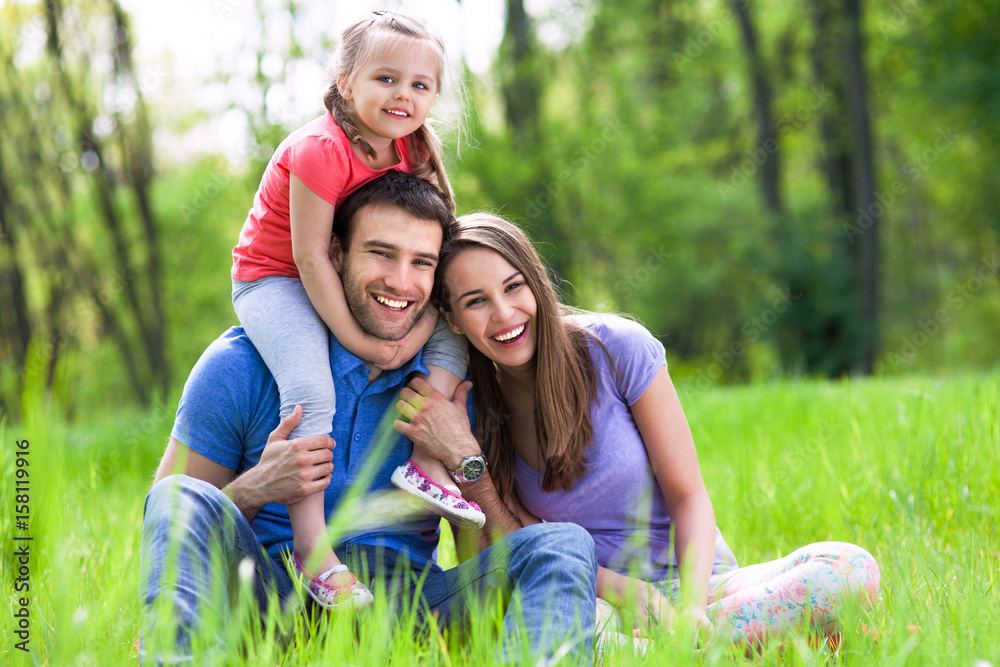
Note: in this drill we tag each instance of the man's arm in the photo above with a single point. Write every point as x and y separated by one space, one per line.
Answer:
441 429
288 470
180 459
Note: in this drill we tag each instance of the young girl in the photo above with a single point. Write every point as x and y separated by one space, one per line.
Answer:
386 73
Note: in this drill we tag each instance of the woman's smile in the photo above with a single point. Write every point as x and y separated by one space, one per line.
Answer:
493 306
511 336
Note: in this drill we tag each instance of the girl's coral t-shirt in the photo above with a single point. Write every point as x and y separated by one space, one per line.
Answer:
320 155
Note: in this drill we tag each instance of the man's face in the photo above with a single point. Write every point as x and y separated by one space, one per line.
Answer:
388 271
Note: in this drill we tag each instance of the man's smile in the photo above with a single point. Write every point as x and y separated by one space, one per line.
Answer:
392 304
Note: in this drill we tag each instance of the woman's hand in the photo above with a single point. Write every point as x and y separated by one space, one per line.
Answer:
692 624
650 610
639 603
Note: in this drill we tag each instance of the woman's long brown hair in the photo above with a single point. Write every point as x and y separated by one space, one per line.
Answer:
565 383
360 43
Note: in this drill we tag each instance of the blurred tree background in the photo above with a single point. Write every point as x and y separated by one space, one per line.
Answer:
773 188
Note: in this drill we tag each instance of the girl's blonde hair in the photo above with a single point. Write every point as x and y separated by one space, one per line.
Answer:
360 44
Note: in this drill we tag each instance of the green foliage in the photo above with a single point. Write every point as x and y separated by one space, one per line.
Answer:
637 174
205 206
904 467
646 150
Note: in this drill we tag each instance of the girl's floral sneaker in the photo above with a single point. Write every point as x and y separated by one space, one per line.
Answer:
443 502
353 595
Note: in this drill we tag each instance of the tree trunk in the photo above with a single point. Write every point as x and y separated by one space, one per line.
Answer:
16 336
39 204
835 161
148 327
838 64
520 89
866 253
137 150
767 136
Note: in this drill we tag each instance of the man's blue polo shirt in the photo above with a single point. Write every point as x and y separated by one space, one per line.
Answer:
230 405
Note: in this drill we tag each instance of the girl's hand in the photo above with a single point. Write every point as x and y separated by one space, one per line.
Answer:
403 350
393 356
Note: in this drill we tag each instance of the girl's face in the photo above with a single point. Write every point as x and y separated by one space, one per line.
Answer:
492 306
392 95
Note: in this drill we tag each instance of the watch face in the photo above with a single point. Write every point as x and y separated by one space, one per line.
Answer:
473 469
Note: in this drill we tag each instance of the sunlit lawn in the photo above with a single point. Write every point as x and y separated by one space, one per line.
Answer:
907 468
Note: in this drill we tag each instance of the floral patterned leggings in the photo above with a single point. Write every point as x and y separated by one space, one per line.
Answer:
760 602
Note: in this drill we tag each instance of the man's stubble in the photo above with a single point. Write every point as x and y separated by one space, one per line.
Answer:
366 311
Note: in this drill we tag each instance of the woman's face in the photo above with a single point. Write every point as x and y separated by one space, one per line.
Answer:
492 306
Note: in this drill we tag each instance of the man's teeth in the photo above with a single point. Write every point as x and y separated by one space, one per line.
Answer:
398 305
397 113
503 338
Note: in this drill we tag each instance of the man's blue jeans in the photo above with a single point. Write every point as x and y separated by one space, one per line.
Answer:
549 571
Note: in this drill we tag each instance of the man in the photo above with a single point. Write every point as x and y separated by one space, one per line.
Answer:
240 470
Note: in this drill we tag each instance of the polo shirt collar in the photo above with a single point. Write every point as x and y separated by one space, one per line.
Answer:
344 363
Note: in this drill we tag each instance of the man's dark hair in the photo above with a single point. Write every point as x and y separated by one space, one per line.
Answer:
414 195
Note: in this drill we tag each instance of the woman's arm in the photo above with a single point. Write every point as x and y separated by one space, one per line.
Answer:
664 429
500 518
312 227
441 428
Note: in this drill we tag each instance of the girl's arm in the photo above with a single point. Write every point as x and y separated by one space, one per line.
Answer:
664 429
443 380
312 227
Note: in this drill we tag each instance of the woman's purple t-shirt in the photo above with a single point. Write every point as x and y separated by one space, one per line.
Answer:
618 500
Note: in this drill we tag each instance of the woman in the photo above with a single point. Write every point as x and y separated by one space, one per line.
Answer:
579 421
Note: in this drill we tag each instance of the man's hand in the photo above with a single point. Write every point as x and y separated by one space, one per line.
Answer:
288 470
439 427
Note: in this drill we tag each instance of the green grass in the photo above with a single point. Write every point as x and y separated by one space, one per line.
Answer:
906 467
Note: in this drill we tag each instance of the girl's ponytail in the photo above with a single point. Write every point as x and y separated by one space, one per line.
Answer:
337 106
425 150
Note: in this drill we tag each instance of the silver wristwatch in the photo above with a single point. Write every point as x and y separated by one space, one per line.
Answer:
469 470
